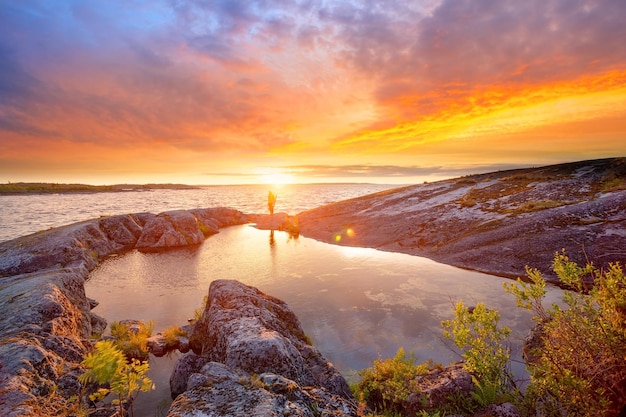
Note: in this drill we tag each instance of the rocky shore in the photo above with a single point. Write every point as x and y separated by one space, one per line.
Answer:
46 324
256 360
497 223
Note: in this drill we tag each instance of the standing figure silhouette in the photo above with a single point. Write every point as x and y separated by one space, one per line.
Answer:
271 201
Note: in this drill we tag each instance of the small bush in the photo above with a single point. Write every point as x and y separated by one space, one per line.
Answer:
537 205
197 313
387 384
133 342
172 333
108 367
578 366
486 355
614 184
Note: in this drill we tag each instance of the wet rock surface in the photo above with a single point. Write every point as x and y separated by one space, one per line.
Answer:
251 357
495 223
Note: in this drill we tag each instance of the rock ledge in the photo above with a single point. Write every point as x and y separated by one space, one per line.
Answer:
251 358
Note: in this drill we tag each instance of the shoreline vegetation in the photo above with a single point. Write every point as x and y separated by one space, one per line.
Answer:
16 188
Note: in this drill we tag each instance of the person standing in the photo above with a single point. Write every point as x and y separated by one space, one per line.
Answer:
271 202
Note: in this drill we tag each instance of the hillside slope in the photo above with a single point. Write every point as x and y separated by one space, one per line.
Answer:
496 223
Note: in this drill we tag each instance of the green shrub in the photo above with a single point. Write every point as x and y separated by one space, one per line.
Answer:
108 367
578 367
388 383
132 342
486 355
577 363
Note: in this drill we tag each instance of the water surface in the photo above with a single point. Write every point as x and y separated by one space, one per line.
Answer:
24 214
356 304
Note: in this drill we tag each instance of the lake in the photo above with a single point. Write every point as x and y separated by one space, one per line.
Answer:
356 304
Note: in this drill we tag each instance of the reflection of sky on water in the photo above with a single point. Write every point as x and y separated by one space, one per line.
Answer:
356 304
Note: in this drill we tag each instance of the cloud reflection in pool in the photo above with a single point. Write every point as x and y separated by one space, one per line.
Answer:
357 304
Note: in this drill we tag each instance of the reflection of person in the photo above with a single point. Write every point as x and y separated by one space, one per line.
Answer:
271 201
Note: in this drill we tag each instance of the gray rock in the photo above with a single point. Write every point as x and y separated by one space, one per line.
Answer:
98 324
500 410
488 222
159 346
244 333
436 388
159 233
277 221
219 217
47 320
220 391
184 367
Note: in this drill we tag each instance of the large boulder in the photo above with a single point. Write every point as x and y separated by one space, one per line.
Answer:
250 346
218 390
170 229
219 217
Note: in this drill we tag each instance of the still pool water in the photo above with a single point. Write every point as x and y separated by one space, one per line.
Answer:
356 304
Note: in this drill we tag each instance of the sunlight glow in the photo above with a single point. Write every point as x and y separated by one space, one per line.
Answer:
276 178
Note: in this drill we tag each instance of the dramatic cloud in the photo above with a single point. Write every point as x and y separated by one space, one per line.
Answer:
172 84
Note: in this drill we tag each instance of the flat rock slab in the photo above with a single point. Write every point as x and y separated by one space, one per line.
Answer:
496 223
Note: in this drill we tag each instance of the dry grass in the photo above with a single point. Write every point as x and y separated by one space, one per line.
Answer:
537 205
172 333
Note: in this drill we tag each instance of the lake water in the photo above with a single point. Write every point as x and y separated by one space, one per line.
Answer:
24 214
356 304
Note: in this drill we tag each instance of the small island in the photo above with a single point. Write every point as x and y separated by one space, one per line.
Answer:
16 188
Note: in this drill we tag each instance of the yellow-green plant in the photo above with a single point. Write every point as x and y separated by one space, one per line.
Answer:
476 332
172 333
108 367
388 383
197 313
133 343
579 366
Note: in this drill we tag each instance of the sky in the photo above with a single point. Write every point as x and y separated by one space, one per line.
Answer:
253 91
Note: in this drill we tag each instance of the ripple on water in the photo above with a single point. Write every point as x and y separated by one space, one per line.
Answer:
357 305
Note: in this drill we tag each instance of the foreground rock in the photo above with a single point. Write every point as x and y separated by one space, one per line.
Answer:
496 223
46 322
251 358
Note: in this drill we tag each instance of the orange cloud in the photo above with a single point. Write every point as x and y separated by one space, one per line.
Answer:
170 87
501 111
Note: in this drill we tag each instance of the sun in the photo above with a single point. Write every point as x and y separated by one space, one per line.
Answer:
276 178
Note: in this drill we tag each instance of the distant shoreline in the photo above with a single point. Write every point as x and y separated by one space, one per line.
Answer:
24 188
34 188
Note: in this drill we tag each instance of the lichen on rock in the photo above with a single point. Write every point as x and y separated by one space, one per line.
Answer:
251 357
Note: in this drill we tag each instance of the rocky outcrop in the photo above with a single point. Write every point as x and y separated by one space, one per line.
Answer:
161 344
251 358
495 223
46 319
43 336
437 387
276 221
